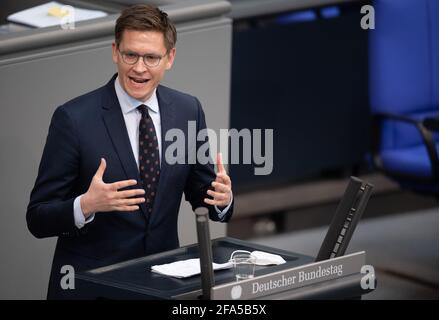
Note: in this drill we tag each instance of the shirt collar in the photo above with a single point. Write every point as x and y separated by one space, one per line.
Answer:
128 103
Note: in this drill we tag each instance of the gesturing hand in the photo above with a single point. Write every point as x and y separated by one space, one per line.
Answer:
222 185
103 196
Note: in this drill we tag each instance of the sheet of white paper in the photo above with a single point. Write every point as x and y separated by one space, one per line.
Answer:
191 267
186 268
39 17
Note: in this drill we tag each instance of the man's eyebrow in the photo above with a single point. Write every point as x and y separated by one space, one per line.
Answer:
131 51
146 54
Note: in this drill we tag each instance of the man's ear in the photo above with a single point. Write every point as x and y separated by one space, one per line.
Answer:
171 57
114 52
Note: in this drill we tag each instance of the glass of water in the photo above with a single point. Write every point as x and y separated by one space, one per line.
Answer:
243 265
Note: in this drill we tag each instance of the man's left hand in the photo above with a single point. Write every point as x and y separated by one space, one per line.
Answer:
222 185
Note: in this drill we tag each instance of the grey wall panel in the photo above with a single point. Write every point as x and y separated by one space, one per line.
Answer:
30 93
32 88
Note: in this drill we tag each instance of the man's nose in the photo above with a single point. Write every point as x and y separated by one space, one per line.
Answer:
140 66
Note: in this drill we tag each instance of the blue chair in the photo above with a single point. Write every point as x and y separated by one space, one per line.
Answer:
404 92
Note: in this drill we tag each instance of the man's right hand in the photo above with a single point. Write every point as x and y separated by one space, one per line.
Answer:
103 196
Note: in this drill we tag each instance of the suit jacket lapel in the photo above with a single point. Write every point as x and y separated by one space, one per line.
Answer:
115 123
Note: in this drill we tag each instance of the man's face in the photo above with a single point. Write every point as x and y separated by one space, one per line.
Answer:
139 80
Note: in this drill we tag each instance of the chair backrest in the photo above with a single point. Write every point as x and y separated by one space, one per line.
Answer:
404 65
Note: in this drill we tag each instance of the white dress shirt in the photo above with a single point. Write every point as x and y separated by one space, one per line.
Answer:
132 117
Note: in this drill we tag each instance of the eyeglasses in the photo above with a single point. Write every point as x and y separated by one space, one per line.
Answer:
150 60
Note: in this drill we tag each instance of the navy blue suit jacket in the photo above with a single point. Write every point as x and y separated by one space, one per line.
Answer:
83 131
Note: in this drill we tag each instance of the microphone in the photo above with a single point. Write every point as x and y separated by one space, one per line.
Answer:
205 249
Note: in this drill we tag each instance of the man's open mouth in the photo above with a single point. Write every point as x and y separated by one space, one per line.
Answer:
139 80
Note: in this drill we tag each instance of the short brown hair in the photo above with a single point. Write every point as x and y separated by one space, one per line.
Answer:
144 17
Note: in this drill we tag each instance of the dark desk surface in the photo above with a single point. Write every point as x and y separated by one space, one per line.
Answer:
134 279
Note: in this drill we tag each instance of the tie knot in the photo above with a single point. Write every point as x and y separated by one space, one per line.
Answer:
143 110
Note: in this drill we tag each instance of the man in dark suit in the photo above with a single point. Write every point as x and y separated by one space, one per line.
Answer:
104 186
